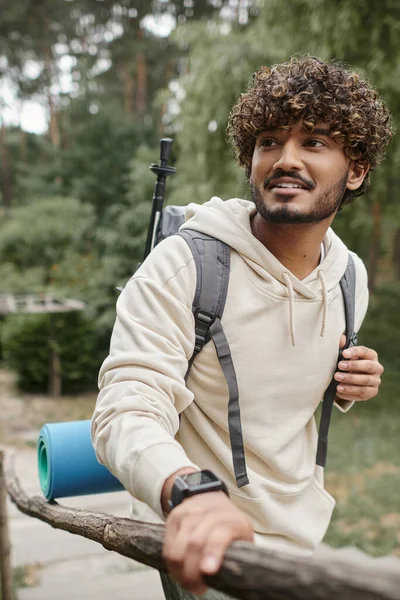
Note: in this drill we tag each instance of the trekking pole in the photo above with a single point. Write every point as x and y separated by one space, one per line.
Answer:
162 171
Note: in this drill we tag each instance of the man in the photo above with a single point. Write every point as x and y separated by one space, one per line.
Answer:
308 133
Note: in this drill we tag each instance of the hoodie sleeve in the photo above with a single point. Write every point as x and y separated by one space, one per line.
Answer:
142 381
362 298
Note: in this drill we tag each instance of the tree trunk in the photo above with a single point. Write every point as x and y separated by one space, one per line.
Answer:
396 254
54 131
141 80
129 88
169 73
22 144
5 171
55 362
375 244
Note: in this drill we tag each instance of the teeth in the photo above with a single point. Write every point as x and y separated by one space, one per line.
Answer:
288 185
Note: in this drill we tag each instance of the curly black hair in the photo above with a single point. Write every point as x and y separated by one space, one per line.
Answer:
311 90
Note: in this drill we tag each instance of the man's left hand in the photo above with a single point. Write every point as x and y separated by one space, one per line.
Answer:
359 375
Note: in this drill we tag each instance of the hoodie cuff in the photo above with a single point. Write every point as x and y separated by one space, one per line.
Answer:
153 468
343 405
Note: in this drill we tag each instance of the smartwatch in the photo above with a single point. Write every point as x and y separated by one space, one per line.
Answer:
195 483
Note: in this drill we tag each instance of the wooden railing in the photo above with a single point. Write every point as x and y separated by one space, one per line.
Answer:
247 572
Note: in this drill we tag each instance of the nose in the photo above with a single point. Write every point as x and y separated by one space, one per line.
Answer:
289 158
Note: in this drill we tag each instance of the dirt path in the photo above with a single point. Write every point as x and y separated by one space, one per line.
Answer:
22 415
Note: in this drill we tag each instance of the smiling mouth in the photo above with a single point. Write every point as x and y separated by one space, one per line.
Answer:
287 186
287 189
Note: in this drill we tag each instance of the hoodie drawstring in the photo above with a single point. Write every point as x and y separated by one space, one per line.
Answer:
288 282
291 305
324 302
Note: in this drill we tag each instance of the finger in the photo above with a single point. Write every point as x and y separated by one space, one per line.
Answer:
361 366
171 530
349 392
191 576
178 528
357 352
360 380
342 342
213 554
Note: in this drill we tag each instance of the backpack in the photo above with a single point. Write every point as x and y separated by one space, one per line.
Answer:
212 260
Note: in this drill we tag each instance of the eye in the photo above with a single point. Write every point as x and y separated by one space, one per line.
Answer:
268 143
315 143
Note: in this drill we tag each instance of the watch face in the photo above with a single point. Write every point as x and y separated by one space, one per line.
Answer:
200 478
195 483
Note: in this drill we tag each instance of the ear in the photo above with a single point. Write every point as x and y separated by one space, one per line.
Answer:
357 174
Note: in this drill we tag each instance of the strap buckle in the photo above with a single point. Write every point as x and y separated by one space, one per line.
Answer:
204 317
352 342
203 322
353 339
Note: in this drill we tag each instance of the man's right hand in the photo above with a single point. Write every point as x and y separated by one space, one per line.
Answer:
198 532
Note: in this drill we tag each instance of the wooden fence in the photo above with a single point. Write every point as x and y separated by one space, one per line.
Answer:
247 572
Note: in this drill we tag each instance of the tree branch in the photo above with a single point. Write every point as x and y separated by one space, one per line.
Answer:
247 572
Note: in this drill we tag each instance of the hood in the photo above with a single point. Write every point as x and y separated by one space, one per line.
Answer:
229 221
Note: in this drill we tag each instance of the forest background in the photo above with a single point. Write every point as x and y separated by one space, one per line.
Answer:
115 76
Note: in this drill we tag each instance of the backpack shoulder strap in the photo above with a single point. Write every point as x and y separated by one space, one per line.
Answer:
348 287
212 260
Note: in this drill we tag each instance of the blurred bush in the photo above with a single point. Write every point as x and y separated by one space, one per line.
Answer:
26 344
380 332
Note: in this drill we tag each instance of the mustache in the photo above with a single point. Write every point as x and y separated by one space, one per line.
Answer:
293 175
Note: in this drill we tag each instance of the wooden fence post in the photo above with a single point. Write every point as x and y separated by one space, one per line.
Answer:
55 362
5 546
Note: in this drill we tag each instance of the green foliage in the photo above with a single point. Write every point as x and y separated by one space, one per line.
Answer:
38 170
381 328
39 234
21 281
124 236
27 346
353 224
96 166
121 239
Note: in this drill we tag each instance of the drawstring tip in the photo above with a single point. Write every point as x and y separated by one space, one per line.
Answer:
324 302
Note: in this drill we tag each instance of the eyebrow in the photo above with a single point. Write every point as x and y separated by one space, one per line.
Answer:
320 131
316 131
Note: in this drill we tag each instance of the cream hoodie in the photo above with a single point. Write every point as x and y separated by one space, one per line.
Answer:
284 338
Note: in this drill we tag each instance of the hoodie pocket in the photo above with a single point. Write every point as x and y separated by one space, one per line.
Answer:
302 518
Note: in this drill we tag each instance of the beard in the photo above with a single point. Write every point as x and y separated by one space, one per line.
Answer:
326 205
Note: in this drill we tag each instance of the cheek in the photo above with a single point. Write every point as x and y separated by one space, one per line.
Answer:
332 171
259 169
254 163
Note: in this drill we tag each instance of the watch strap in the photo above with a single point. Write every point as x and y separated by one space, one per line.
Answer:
182 490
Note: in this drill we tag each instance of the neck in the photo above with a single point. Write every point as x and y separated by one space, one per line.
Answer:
297 247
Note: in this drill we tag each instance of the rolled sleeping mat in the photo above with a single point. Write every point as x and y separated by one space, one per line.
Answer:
67 462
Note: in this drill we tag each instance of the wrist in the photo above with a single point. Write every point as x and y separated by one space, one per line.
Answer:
193 484
168 485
